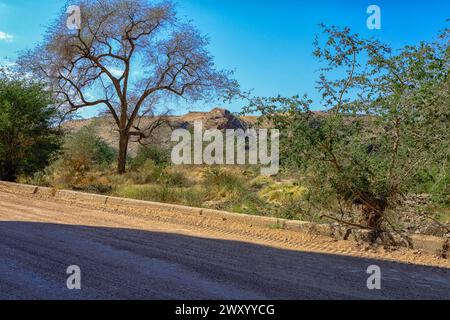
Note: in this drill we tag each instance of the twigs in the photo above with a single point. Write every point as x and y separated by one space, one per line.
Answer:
346 222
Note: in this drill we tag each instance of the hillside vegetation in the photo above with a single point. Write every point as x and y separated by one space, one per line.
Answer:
86 163
377 157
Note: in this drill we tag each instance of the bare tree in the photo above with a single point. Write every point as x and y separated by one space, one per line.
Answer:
127 55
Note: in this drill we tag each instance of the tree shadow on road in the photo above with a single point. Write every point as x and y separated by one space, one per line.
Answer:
134 264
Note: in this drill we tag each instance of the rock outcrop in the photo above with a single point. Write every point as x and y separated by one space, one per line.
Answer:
217 118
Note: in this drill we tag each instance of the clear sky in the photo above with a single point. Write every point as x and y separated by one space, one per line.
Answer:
267 42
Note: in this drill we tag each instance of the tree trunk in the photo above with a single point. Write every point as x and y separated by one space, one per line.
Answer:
374 212
374 219
123 151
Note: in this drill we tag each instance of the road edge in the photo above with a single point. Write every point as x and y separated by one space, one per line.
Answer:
429 244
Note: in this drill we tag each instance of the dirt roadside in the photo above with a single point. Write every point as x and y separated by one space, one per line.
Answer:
217 229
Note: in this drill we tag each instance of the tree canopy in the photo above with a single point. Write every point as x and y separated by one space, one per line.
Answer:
386 118
128 56
28 127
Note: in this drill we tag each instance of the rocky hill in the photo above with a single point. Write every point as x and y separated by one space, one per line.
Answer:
215 119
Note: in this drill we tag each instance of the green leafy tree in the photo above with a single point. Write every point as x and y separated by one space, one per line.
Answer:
28 134
385 117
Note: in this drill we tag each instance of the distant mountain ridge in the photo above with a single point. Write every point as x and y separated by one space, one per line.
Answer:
217 118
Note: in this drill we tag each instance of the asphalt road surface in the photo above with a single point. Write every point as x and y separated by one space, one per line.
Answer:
122 257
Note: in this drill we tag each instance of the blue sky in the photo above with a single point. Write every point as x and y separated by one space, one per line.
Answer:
267 42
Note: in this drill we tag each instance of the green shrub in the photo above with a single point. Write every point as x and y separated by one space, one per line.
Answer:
148 172
440 190
159 156
83 158
174 178
435 181
260 182
28 135
226 180
283 194
84 150
249 203
192 197
97 188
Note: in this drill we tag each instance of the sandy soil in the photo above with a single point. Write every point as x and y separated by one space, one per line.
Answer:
126 257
